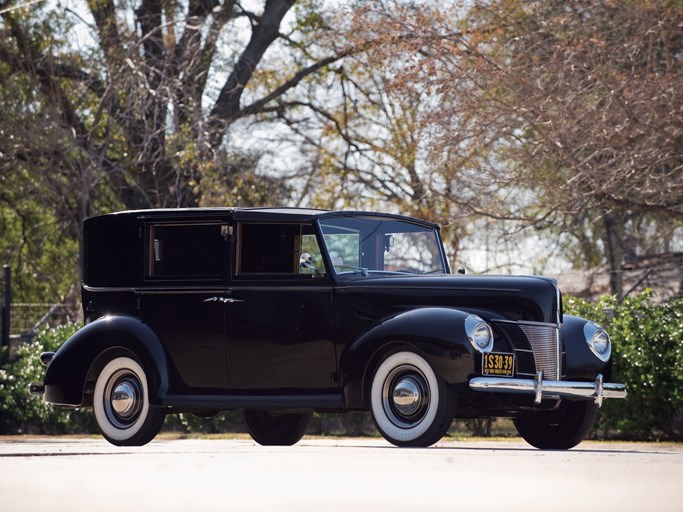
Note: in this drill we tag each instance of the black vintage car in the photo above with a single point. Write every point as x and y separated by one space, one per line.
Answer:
281 312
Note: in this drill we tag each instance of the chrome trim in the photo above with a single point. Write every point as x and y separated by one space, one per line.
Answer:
405 406
523 322
106 289
545 343
472 322
559 302
36 389
558 332
154 289
590 329
224 300
558 344
46 358
597 391
538 388
407 396
124 398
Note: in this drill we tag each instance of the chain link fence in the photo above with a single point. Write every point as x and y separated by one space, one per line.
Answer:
19 321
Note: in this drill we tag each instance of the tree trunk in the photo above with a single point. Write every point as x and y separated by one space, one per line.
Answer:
615 252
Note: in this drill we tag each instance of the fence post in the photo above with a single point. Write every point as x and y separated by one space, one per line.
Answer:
6 306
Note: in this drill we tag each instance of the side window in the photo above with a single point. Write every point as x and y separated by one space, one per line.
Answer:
309 245
185 251
276 249
344 249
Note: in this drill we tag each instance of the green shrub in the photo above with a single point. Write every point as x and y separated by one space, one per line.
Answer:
647 353
223 421
22 413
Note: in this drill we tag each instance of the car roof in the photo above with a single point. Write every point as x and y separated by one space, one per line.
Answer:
271 213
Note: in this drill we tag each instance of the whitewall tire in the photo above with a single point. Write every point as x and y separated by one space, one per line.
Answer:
411 405
121 404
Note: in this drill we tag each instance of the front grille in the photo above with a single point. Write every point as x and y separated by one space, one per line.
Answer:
543 340
536 349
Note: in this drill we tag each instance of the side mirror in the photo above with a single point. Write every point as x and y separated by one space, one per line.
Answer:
305 261
461 270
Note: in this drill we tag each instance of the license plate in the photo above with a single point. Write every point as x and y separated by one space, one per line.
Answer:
500 365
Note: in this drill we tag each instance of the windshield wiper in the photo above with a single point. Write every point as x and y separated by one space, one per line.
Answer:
433 271
363 271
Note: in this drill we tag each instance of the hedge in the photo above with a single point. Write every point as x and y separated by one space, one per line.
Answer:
21 413
647 354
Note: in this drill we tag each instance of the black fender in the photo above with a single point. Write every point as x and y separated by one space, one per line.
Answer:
437 333
582 364
78 359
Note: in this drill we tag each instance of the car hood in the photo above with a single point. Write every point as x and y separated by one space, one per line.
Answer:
530 298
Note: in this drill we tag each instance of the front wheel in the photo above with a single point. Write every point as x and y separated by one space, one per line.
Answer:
269 429
561 429
121 404
411 405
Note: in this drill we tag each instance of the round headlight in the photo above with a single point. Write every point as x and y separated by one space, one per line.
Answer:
479 333
598 341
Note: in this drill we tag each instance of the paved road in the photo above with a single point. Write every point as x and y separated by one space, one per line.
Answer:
351 475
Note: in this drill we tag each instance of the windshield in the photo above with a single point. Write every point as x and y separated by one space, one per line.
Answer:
375 244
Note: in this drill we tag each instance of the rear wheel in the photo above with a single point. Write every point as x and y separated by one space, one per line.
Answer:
270 429
561 429
121 404
411 405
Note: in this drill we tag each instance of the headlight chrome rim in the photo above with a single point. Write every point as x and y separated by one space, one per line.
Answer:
598 341
479 331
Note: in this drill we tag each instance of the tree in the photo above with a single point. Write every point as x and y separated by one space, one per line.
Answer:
143 98
595 91
551 113
367 127
110 107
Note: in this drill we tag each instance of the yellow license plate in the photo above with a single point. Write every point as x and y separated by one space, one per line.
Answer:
500 365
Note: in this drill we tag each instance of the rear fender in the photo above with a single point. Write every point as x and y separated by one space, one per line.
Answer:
438 334
81 357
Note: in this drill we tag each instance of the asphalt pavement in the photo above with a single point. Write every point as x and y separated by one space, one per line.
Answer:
355 475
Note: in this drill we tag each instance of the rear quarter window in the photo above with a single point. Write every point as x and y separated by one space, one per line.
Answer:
111 251
185 251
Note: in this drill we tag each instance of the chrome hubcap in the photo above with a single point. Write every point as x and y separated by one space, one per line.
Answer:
123 399
405 396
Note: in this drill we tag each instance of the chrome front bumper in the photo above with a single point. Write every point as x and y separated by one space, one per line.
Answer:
540 388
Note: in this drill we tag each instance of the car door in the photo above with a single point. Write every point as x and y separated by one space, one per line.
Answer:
280 323
184 282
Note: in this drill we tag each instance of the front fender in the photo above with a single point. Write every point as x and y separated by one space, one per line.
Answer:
72 364
582 364
438 334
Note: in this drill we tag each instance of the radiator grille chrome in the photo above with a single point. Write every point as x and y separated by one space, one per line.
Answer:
544 341
536 349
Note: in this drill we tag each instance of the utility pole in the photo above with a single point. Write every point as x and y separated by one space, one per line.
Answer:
6 306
